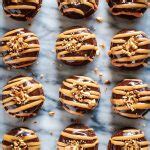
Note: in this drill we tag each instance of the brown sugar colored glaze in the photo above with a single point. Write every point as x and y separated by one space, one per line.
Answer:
131 98
22 97
76 46
19 48
129 9
20 139
77 9
22 10
129 49
79 95
128 139
79 137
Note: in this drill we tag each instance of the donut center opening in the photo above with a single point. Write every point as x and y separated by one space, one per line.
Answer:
131 145
131 98
19 144
130 47
82 93
16 45
20 94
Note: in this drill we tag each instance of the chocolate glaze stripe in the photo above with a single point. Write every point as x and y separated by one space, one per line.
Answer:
129 6
72 35
28 39
83 136
121 105
140 52
21 6
32 100
118 140
30 139
69 85
91 4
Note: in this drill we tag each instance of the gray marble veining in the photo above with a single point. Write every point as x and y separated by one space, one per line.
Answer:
47 24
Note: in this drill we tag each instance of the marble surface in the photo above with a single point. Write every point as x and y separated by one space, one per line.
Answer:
47 24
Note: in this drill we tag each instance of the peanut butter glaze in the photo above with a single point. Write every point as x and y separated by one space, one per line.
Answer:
20 48
131 98
20 139
129 9
128 139
129 49
79 95
77 9
76 46
22 97
21 10
77 137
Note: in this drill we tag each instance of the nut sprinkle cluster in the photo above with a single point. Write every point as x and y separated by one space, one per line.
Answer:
22 97
77 9
128 139
22 10
79 94
131 98
129 49
20 48
20 139
76 46
77 137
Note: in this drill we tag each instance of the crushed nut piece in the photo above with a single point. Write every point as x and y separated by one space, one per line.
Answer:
16 45
51 113
130 47
131 97
107 82
103 45
97 72
99 19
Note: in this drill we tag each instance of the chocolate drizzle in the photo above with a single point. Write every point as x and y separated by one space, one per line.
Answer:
77 137
79 94
128 9
77 9
129 49
128 139
20 139
20 48
131 98
76 46
23 97
22 10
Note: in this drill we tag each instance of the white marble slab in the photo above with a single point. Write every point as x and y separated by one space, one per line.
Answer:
47 24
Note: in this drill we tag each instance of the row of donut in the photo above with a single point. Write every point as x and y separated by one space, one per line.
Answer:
22 96
23 10
76 137
76 46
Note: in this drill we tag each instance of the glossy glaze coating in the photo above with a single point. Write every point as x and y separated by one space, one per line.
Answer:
22 97
20 48
131 98
79 137
129 49
20 139
76 46
129 9
79 94
128 139
21 10
77 9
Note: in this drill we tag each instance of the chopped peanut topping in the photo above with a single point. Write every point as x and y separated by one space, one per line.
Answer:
16 45
131 97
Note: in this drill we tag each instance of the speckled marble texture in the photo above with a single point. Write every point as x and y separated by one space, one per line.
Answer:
47 24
